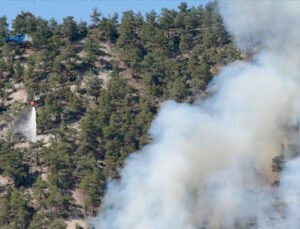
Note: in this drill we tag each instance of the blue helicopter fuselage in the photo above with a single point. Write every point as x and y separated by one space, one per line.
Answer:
17 39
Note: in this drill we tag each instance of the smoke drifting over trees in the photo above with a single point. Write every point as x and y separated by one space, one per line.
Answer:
210 164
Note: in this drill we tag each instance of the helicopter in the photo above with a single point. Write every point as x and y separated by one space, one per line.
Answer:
18 39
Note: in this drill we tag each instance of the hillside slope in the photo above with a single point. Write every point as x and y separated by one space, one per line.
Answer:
97 87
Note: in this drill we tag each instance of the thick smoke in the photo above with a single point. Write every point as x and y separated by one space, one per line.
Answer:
210 164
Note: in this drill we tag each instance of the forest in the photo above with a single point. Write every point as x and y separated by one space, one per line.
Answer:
98 85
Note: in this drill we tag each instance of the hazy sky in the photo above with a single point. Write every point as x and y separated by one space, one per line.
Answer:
81 9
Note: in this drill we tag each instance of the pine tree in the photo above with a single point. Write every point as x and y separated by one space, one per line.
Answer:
95 17
92 186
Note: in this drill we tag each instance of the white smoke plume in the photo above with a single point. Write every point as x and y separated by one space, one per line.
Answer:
210 164
25 124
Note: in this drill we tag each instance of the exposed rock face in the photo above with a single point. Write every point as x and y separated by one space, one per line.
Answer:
71 224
